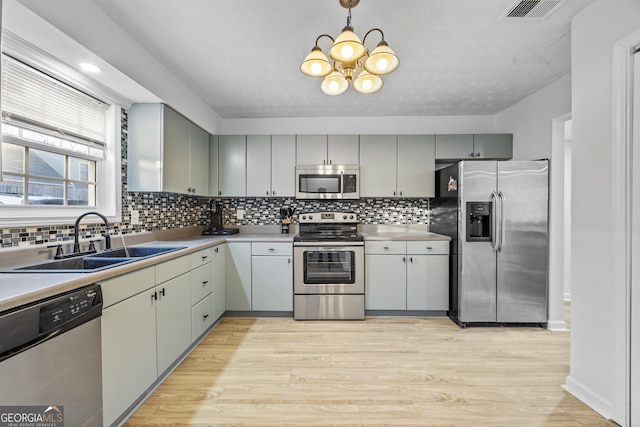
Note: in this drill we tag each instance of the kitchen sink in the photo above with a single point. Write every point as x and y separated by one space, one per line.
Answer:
70 265
94 262
135 252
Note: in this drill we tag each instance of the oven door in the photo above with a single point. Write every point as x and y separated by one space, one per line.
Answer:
328 269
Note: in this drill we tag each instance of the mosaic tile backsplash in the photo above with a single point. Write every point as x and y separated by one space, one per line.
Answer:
163 211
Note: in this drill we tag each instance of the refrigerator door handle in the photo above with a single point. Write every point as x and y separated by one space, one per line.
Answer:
503 203
494 215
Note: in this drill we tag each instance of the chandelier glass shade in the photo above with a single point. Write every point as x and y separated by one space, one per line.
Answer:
352 62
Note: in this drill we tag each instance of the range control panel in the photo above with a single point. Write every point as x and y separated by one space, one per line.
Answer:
327 217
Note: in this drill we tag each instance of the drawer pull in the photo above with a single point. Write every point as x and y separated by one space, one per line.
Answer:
205 257
204 282
205 317
386 248
216 250
429 248
272 250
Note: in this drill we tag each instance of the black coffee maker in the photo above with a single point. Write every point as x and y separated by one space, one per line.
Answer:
215 221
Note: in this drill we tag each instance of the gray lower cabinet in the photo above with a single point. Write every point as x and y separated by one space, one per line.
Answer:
146 326
411 275
219 284
238 276
201 292
271 276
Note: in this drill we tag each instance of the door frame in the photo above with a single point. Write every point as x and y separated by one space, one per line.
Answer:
622 135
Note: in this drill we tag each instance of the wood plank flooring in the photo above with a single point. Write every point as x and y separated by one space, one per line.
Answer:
263 372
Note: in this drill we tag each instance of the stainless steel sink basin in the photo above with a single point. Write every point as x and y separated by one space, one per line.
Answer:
135 252
71 265
94 262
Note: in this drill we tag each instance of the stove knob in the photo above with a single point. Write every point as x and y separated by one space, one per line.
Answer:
310 217
351 217
304 217
344 217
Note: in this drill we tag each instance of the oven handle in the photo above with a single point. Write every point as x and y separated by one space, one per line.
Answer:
326 244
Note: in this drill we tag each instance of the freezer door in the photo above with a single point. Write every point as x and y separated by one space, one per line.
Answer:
522 257
477 274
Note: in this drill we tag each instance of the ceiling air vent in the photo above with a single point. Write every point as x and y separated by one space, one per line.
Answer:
533 9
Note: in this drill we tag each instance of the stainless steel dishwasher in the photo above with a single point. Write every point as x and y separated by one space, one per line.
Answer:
51 359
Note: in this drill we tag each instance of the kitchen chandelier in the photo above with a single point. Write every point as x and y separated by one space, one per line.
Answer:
352 62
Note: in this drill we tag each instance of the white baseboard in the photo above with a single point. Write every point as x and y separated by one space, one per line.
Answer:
557 325
589 397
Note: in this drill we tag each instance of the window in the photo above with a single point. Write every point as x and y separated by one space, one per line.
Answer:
59 153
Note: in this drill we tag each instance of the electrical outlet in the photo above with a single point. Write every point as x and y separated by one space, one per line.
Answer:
135 217
240 213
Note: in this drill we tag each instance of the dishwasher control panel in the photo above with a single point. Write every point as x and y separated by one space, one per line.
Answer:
68 308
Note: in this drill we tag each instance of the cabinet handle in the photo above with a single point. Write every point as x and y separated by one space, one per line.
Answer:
272 250
386 248
478 155
288 260
273 193
472 155
219 192
154 296
216 250
266 193
205 257
401 194
411 259
205 317
204 283
404 259
394 192
162 292
429 248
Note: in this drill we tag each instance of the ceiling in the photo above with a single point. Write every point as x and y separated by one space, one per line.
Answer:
457 57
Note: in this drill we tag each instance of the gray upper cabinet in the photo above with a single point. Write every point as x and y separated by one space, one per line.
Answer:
258 165
232 165
327 149
166 151
416 165
378 160
213 165
454 146
283 165
497 146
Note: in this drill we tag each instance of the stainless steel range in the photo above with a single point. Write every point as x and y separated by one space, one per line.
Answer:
328 267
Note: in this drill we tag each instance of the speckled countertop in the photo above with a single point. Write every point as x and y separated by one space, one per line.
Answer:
17 289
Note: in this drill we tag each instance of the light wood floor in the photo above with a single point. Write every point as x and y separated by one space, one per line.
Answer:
378 372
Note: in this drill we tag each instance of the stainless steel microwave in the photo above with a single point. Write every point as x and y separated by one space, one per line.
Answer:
327 182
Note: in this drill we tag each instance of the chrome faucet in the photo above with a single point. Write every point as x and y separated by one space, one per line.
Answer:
107 238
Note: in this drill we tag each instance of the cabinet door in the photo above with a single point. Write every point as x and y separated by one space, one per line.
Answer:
232 165
311 149
454 147
416 165
497 146
258 165
176 152
173 320
378 165
219 286
213 165
386 285
128 353
343 149
238 276
272 283
283 165
199 161
201 317
428 282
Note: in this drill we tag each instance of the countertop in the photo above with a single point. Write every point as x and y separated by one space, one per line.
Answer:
17 289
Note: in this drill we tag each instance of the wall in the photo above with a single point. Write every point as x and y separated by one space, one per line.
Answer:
593 351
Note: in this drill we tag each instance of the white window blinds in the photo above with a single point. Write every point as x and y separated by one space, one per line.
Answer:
32 99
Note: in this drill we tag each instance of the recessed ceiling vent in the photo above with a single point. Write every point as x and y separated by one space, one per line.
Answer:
533 10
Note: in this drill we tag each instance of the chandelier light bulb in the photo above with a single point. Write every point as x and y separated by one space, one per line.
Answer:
316 68
347 51
382 64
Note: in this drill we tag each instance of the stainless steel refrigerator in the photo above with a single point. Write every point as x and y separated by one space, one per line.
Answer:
496 213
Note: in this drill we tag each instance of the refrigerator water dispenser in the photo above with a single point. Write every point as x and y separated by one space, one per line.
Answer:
479 221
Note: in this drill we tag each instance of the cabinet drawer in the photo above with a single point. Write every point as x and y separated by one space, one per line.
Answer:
385 247
267 248
122 287
438 247
201 317
172 268
201 282
201 257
